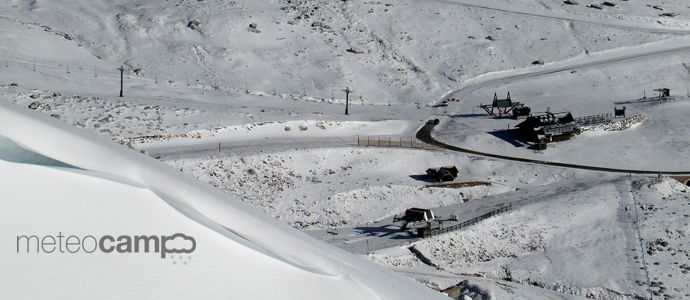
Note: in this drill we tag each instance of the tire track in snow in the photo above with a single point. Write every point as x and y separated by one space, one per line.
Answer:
594 60
651 27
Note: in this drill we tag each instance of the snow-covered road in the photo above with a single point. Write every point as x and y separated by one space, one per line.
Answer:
580 62
647 24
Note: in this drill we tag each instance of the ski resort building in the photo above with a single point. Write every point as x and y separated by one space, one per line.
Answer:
549 127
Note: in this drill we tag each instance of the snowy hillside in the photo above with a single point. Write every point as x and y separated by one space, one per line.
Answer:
411 50
239 250
232 130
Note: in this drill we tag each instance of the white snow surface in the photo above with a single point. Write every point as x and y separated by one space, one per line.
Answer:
311 189
241 253
199 77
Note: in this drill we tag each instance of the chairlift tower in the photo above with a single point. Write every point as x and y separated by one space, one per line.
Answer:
347 91
122 80
500 108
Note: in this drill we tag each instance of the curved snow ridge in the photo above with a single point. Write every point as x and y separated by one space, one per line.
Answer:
126 200
202 204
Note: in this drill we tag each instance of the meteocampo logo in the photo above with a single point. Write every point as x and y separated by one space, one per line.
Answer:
177 243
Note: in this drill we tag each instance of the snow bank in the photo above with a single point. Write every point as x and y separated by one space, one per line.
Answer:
268 130
240 251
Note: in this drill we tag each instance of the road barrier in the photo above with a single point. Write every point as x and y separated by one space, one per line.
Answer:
594 119
429 231
401 142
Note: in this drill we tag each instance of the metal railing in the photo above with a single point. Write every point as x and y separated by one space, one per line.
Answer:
594 119
401 142
425 232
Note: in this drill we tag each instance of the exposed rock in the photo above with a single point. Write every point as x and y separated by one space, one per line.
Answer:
321 25
193 24
355 50
253 27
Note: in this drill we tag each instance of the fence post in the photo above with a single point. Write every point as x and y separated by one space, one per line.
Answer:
358 140
367 141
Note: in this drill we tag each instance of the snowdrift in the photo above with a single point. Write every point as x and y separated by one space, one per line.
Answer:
62 181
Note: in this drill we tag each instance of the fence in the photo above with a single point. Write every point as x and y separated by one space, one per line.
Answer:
395 142
428 231
594 119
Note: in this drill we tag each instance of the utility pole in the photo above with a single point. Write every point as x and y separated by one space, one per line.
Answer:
347 99
122 79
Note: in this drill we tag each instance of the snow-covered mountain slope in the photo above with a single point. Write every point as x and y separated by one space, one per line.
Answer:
109 190
404 50
578 238
248 96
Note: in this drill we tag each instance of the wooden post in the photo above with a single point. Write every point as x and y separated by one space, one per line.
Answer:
122 80
347 100
219 147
